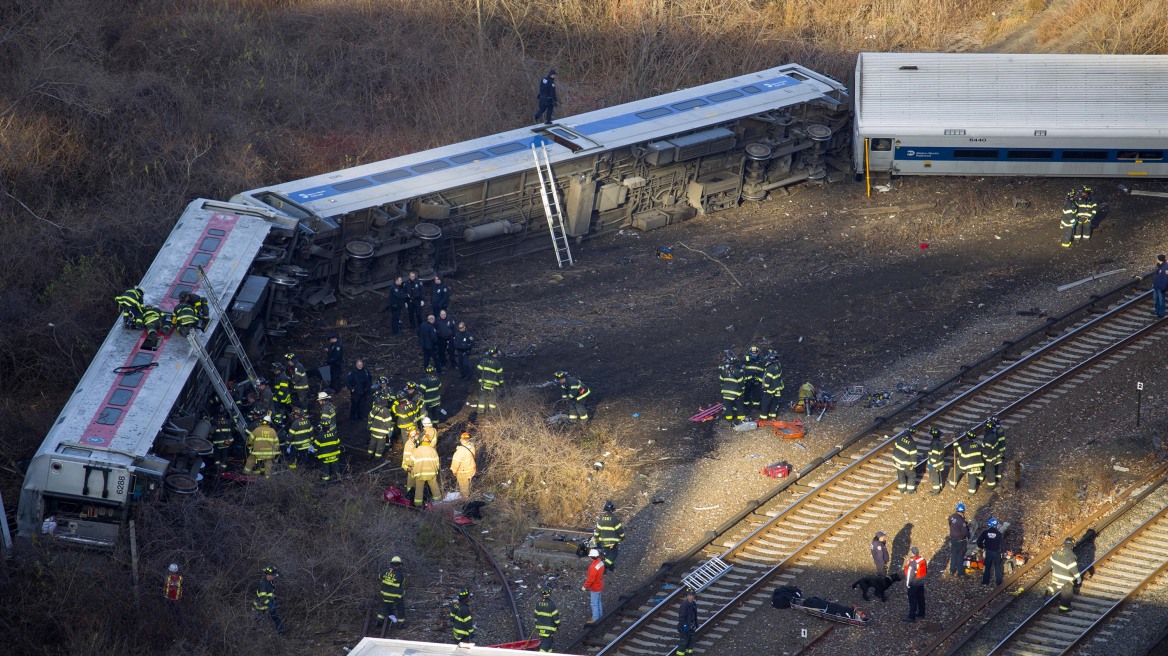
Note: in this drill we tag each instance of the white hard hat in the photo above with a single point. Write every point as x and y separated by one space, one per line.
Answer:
267 419
320 396
425 421
173 567
593 553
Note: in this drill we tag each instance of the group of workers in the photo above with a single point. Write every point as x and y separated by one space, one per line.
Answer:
191 311
978 460
751 385
1079 212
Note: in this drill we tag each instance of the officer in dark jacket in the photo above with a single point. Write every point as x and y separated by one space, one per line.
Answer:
463 345
936 461
396 302
360 383
879 550
687 624
547 96
428 340
416 292
445 327
991 542
959 538
334 357
1160 284
439 296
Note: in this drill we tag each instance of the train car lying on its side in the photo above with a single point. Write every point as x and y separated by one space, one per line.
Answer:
991 114
647 164
134 425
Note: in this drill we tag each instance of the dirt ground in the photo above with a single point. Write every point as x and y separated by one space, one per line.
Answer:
847 297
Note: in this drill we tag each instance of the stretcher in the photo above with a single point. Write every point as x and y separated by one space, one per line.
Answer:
830 611
708 414
530 643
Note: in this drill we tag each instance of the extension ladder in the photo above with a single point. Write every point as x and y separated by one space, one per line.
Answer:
710 571
225 322
551 205
217 382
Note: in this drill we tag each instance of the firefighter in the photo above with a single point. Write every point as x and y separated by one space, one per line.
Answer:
1067 223
429 433
994 440
281 388
969 461
172 591
152 324
573 392
200 306
265 601
608 535
380 426
404 414
263 447
392 585
463 345
431 386
299 376
130 303
992 543
462 464
460 617
936 463
300 432
730 375
222 437
772 386
185 318
263 401
547 620
416 292
409 442
687 623
752 374
326 443
1085 210
490 372
904 457
1064 570
425 471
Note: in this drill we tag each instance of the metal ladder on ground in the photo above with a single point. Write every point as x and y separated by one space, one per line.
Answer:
228 329
551 205
217 383
710 571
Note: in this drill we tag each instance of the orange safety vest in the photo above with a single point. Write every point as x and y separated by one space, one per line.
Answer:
172 590
922 568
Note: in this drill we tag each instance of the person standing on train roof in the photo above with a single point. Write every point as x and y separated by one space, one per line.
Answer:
547 97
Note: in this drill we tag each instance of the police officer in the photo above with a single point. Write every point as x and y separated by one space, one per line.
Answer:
879 551
392 583
463 345
396 302
360 383
752 374
265 601
490 380
1064 570
446 327
547 97
904 457
772 386
439 296
573 392
992 543
608 534
130 303
958 539
969 461
416 291
460 617
936 464
547 620
334 357
428 340
994 443
731 378
687 624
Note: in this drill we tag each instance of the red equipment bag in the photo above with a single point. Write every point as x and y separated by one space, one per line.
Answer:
778 470
393 494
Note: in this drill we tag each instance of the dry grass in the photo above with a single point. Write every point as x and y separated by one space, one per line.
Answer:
1138 27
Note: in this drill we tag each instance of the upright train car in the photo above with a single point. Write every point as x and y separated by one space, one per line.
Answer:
646 164
993 114
134 422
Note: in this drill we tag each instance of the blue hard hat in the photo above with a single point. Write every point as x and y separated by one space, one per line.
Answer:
961 507
993 523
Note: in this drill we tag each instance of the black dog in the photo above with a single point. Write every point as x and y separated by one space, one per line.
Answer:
878 584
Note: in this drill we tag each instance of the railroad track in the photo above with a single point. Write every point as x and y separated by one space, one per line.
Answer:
776 542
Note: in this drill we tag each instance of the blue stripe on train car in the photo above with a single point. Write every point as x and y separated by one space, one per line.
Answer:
1066 155
586 129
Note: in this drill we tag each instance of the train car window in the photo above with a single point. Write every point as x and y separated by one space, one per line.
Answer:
798 76
200 259
109 416
121 397
190 276
880 145
723 96
1085 154
390 176
210 244
689 104
976 153
1029 154
467 158
429 167
653 113
131 380
217 232
752 89
505 148
1142 154
142 359
350 185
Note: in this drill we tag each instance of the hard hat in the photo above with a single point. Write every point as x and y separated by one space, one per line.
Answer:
545 591
383 380
266 419
183 296
411 384
690 592
463 593
560 374
401 394
464 436
1070 542
993 523
593 553
289 356
271 570
173 568
261 381
935 432
609 506
321 396
772 355
754 350
961 507
396 560
430 368
426 421
970 433
492 351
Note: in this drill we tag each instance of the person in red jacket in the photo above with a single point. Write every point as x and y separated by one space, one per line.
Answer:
594 585
915 570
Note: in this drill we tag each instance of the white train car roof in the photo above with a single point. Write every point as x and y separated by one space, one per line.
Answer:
409 176
115 415
1066 95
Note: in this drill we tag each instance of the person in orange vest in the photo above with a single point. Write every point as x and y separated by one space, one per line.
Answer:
172 591
915 570
463 464
594 585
